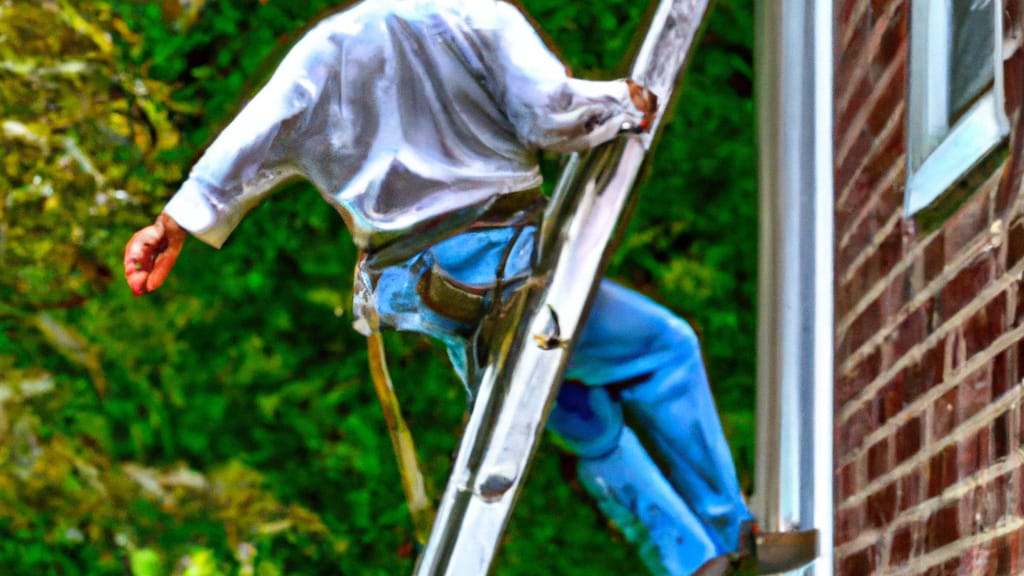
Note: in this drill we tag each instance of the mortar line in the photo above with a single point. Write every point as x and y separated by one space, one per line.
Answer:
926 507
855 16
874 38
907 260
858 120
928 449
948 551
979 246
870 249
1002 342
894 122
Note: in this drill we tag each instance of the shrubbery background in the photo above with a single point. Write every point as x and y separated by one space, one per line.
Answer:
226 424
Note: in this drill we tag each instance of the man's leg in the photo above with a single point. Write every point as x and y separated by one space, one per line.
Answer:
628 486
628 338
633 341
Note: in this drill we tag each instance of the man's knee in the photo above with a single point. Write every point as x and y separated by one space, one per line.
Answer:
678 335
588 420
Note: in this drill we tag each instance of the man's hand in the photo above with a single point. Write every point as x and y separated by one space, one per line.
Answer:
151 253
645 101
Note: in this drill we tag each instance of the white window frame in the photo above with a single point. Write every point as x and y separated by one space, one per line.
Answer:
981 128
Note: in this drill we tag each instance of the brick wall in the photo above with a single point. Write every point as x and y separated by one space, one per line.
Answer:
929 428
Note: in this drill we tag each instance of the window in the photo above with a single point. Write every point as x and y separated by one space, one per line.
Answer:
955 112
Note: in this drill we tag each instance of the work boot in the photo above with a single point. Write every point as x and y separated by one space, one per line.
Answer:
764 553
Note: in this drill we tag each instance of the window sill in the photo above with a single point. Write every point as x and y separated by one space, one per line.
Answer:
977 133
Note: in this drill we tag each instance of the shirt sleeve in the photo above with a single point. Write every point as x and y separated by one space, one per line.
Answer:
548 108
258 149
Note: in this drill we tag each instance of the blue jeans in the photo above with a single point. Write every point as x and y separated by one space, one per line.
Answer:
631 355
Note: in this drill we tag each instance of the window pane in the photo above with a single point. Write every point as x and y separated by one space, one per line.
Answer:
973 53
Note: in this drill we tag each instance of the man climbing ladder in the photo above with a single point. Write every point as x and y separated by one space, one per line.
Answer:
419 122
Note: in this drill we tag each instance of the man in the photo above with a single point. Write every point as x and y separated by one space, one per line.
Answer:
419 122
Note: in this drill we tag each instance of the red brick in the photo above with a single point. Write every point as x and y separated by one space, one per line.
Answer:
957 352
884 166
914 329
1013 87
987 324
968 512
851 250
1008 554
942 472
855 380
849 523
1013 81
915 274
1018 309
875 267
979 560
849 64
934 256
994 500
1018 492
889 401
948 568
853 431
1020 424
910 491
854 54
924 374
847 212
862 329
878 459
944 415
1019 372
848 166
1013 171
1001 436
889 79
967 284
882 506
901 547
845 298
846 114
1015 243
852 190
893 298
908 439
862 562
887 48
973 453
1018 312
968 223
885 170
975 392
846 480
1006 191
862 26
942 527
877 217
1003 366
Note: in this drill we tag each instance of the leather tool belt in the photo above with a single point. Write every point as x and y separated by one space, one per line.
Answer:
469 303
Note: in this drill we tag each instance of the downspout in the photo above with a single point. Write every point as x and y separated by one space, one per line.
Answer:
795 344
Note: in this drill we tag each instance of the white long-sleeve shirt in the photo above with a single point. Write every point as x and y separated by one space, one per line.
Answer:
409 116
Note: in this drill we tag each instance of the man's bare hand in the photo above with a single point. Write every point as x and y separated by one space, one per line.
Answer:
645 101
151 253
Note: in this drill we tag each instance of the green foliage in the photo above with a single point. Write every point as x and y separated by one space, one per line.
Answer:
226 424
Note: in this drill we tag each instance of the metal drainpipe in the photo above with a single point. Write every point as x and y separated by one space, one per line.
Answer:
795 343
